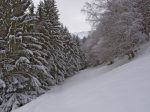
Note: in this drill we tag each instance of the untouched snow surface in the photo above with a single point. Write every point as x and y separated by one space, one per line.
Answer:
123 89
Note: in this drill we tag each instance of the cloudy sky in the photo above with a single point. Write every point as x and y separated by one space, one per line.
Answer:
71 16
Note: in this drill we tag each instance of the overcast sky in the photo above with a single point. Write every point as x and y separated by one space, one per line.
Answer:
71 16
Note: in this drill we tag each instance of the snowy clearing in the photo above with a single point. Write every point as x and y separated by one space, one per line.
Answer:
123 89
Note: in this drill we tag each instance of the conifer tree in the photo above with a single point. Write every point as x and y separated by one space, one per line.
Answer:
36 52
49 25
74 56
64 50
24 68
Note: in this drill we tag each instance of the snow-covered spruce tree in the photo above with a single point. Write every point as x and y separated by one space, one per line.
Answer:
74 56
79 53
24 73
32 52
67 56
61 63
2 56
49 25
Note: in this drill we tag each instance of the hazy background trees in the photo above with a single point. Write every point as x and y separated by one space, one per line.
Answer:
121 26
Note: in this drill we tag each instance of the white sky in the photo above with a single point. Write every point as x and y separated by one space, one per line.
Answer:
71 16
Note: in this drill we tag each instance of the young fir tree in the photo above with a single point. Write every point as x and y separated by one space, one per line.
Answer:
69 48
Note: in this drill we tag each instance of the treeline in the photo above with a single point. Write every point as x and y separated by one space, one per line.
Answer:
36 51
120 28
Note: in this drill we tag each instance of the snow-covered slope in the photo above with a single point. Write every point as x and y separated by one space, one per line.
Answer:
123 89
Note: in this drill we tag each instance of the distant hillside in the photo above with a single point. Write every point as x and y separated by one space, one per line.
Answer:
82 34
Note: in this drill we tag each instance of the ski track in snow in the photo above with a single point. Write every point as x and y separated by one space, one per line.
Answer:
102 89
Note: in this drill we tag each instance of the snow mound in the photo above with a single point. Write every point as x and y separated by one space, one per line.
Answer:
123 89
